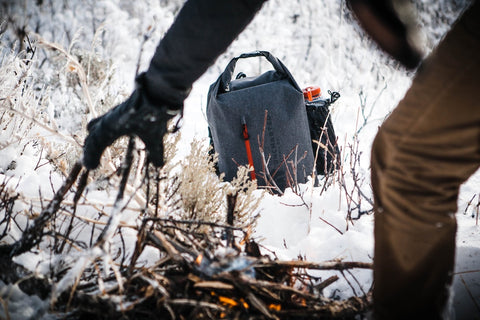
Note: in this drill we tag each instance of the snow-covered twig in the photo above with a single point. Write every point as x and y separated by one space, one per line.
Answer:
32 119
33 235
331 265
72 66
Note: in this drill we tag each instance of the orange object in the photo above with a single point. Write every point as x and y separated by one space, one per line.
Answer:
246 137
227 301
312 92
199 259
274 306
245 305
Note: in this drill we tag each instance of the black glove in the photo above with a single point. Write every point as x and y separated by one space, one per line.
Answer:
136 116
392 25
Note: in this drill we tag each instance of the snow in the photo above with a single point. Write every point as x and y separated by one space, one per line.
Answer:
320 45
22 306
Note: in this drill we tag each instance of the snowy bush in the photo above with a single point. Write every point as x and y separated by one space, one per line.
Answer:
64 62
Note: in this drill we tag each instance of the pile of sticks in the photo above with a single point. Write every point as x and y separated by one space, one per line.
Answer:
191 282
221 274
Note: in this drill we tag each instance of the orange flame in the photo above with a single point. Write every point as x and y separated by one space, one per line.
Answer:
274 306
227 301
245 305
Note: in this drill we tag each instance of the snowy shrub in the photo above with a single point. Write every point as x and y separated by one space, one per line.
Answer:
247 198
64 62
199 188
202 195
26 114
8 197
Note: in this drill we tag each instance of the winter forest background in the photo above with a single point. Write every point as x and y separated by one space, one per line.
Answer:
64 62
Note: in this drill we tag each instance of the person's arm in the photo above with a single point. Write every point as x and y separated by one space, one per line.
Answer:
202 30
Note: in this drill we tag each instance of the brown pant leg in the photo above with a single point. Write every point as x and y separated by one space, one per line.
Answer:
423 152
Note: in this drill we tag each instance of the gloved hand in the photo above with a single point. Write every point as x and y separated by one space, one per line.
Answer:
391 25
139 116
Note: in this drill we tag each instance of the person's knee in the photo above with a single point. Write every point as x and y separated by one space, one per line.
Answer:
407 176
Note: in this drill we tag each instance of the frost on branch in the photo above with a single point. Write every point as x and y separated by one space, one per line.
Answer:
202 194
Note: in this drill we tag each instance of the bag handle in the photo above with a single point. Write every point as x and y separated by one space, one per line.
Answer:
227 75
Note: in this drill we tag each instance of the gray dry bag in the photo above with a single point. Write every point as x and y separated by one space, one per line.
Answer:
266 113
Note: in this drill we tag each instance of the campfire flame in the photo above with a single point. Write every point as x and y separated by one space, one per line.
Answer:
229 302
274 306
199 259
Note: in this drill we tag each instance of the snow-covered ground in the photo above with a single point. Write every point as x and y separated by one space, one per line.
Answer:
319 44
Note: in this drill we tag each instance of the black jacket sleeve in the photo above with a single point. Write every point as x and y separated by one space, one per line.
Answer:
201 32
